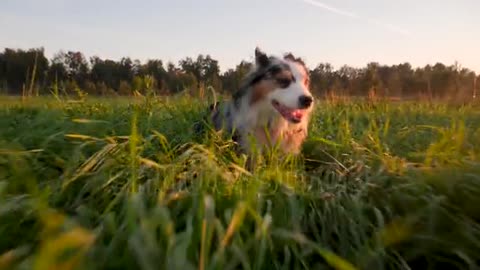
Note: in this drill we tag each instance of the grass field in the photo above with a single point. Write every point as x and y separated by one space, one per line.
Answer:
113 184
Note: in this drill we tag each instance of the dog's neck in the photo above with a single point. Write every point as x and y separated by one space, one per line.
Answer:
266 122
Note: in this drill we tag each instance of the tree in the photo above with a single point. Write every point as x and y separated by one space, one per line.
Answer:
155 68
232 78
29 72
23 70
74 64
322 78
443 80
349 79
205 69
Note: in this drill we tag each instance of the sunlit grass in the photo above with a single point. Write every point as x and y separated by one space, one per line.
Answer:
126 184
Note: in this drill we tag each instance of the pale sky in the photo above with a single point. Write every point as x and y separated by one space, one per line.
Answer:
352 32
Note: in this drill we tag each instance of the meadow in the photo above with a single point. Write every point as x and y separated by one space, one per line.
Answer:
127 184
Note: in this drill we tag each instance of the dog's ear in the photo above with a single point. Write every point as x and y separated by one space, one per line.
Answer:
261 58
289 56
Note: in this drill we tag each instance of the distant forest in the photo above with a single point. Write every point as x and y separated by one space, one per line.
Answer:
29 72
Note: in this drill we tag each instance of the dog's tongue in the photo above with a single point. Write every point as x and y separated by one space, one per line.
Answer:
297 114
293 115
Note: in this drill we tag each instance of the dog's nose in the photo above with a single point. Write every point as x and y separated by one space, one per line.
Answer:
305 101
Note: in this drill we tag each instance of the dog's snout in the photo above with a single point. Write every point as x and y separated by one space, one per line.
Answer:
305 101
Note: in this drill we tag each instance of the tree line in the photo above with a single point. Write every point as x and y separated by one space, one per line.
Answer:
29 72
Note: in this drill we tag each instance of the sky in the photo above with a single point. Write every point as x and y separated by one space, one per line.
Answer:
352 32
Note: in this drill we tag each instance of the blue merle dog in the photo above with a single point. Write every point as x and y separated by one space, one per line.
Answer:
271 108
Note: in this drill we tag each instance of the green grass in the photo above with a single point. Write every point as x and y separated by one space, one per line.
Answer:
105 184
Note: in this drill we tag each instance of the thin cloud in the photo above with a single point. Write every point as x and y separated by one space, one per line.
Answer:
390 27
345 13
331 9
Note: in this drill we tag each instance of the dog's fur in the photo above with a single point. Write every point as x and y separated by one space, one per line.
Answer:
274 84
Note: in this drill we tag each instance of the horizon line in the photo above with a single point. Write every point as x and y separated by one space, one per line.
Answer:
176 62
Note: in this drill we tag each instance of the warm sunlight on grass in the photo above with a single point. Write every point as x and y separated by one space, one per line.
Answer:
109 184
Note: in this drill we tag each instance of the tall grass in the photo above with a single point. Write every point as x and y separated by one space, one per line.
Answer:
126 184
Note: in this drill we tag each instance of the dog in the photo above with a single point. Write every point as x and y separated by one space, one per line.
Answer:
272 107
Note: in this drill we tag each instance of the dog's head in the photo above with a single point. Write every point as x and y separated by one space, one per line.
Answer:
282 84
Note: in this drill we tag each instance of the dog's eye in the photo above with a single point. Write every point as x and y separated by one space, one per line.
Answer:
284 82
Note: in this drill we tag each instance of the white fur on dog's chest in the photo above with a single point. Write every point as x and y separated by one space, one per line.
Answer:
280 132
291 136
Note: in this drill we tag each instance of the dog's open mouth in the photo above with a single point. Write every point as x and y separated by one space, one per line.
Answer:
292 115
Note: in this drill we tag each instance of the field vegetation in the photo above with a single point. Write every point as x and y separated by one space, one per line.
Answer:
124 183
